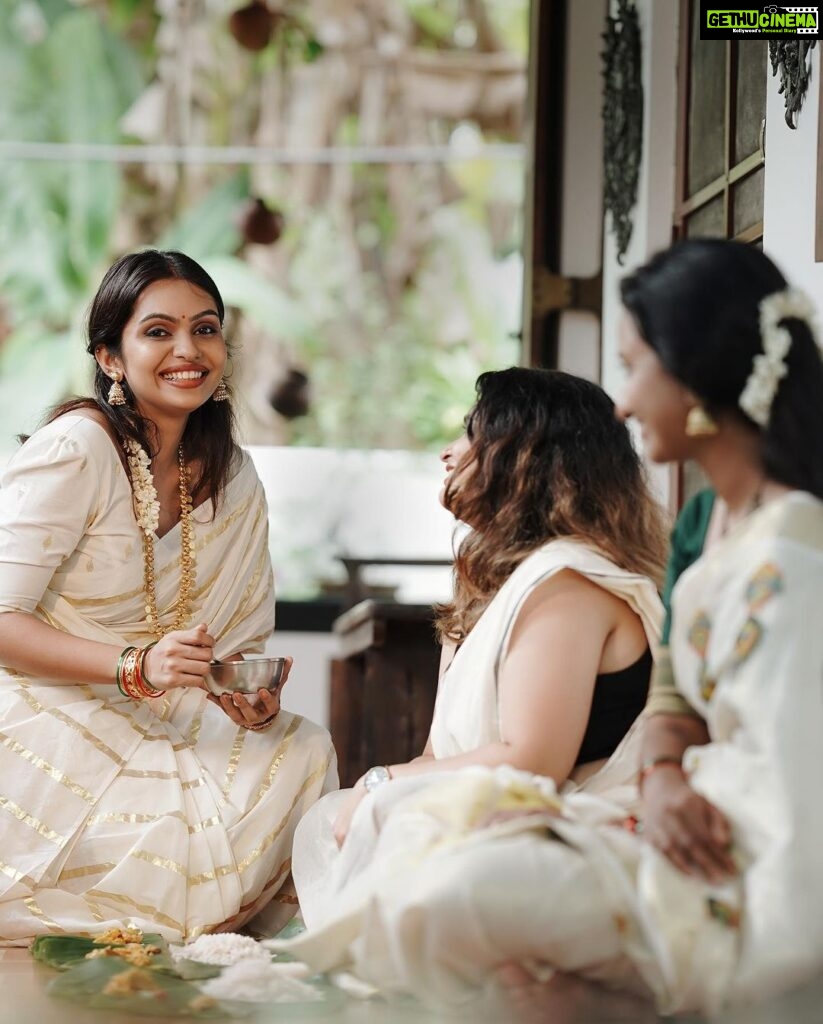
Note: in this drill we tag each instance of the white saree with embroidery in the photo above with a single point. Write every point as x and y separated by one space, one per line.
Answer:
160 813
454 874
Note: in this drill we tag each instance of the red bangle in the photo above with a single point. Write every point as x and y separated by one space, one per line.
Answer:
142 682
664 761
130 678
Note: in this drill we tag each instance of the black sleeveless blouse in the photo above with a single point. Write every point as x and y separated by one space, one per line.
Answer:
618 699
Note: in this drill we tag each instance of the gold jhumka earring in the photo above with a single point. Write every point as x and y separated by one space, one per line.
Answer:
116 394
699 423
221 392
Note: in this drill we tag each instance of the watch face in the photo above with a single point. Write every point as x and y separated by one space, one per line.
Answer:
374 776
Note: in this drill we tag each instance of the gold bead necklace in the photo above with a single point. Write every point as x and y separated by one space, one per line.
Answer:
147 508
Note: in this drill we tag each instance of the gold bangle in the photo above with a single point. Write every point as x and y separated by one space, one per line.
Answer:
127 674
260 726
118 676
664 761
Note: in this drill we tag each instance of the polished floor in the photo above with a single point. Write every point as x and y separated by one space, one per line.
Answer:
24 1000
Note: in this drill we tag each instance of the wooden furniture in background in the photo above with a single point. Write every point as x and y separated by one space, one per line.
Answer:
383 685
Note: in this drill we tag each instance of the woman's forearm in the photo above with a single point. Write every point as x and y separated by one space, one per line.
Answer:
27 644
669 736
491 755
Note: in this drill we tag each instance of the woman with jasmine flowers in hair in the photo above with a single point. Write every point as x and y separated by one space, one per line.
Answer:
133 551
711 893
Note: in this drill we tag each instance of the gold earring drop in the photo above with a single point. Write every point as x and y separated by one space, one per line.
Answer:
699 423
116 394
221 392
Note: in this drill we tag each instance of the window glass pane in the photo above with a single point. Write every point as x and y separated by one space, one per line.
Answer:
750 92
708 221
747 197
707 108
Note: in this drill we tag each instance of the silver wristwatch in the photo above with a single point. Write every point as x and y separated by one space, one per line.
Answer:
375 777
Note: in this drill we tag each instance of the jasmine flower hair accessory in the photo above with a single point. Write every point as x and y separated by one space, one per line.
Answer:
770 366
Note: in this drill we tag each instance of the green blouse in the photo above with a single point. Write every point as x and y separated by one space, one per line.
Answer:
687 541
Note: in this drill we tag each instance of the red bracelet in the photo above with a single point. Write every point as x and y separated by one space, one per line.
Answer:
143 683
130 678
664 761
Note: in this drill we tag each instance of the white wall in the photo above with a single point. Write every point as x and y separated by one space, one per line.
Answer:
654 210
791 181
582 213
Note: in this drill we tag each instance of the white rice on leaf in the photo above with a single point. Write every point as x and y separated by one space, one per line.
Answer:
222 950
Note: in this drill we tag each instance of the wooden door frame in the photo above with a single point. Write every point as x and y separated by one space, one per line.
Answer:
544 180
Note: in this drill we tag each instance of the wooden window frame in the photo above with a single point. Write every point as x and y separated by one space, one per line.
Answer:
733 173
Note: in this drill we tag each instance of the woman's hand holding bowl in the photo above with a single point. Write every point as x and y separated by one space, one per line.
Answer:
251 710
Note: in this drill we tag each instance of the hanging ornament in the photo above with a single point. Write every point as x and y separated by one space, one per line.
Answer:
290 396
253 25
260 224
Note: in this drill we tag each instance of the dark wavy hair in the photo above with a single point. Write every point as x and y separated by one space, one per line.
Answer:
548 459
209 437
696 305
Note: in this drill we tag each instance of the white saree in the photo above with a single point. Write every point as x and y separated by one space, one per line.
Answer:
340 892
454 875
160 813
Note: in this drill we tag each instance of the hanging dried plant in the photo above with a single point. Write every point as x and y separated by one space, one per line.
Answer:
253 25
291 395
259 224
622 119
790 58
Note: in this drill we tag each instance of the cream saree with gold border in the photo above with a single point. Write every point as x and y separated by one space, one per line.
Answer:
159 813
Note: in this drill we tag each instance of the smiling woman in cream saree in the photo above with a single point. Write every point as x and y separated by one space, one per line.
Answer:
749 661
126 797
163 813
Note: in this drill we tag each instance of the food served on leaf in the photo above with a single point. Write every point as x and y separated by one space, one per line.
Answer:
119 936
138 955
64 951
133 980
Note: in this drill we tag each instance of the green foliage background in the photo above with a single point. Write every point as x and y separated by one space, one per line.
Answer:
396 372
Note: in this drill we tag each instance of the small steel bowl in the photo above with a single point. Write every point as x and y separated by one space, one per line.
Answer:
245 676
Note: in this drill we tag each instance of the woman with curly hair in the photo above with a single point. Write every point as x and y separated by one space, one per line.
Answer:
546 646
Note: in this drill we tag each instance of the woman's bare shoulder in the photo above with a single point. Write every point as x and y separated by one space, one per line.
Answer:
569 601
572 597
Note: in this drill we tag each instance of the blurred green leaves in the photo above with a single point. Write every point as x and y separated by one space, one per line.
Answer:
63 78
392 360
